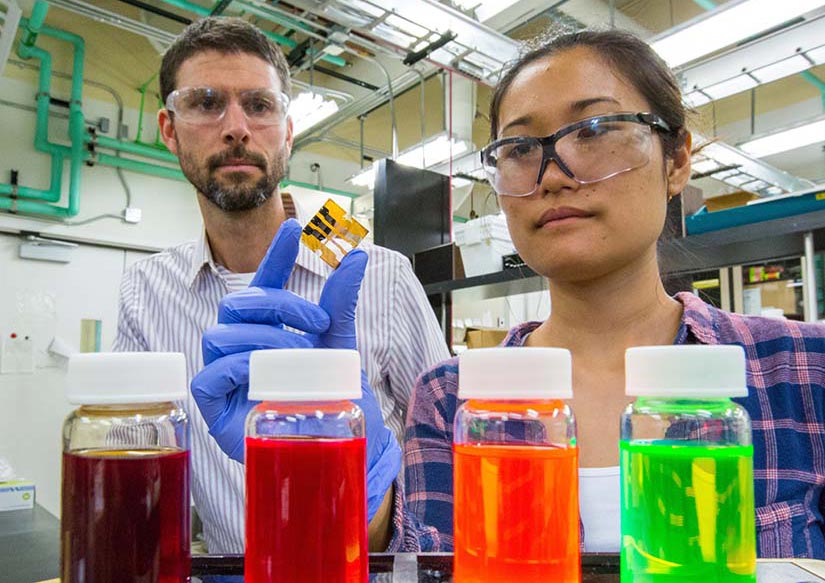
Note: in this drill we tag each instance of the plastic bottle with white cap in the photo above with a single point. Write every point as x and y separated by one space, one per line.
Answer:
125 494
515 467
306 493
687 467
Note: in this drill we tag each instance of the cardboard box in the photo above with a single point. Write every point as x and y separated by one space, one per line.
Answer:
16 495
484 337
777 294
729 201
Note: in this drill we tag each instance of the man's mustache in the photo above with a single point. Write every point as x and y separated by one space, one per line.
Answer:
237 155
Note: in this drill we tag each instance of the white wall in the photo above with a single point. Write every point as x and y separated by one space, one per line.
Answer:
170 212
45 300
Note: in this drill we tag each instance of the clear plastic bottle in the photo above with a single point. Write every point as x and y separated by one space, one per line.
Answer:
687 467
125 495
516 502
306 493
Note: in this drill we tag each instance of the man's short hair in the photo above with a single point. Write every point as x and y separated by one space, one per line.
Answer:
226 35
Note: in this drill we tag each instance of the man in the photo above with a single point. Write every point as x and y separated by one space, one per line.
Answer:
225 86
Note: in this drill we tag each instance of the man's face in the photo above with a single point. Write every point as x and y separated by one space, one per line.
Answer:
234 162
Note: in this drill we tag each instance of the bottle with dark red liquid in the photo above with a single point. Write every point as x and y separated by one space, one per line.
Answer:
125 497
306 503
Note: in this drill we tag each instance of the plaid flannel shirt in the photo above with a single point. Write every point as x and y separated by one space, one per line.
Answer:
786 403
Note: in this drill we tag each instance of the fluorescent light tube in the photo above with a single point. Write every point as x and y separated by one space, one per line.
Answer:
731 86
727 25
781 69
309 109
784 140
485 9
705 166
697 98
435 151
817 55
365 177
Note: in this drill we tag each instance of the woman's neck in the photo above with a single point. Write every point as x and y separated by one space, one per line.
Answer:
600 318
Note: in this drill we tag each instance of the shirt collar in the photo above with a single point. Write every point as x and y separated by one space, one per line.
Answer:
698 318
306 259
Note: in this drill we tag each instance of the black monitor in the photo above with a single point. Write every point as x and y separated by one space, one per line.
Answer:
412 208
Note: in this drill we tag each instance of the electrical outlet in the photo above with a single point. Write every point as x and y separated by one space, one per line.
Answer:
17 355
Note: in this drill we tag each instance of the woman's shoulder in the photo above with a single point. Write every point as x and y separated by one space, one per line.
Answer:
721 327
441 380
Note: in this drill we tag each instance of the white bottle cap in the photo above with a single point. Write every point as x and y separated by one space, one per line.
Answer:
110 378
304 374
515 373
688 371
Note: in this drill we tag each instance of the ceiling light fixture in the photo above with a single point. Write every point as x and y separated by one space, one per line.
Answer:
786 139
474 50
308 109
432 152
485 9
726 25
780 54
735 167
364 177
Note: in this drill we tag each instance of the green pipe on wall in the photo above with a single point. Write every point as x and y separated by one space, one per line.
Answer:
41 139
133 148
142 167
31 206
705 4
32 28
816 82
76 124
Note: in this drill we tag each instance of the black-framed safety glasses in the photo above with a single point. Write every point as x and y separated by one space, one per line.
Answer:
590 150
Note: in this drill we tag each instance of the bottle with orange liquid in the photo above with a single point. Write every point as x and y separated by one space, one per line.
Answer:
306 469
125 497
516 502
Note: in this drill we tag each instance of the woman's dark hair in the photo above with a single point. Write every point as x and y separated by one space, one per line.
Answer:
631 58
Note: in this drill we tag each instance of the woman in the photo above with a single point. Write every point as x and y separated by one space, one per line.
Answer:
585 207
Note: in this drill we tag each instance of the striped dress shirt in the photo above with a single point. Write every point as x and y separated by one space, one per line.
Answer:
169 299
786 403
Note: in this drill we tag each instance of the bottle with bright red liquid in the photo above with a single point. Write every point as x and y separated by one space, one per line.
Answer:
125 487
515 468
306 502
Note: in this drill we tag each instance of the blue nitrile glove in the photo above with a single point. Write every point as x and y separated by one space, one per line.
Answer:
253 319
221 388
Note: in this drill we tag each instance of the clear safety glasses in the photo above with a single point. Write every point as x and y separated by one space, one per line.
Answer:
587 151
205 105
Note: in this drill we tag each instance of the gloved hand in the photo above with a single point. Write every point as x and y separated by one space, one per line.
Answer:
221 388
254 318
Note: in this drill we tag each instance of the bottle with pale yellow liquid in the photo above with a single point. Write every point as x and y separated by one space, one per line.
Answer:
687 467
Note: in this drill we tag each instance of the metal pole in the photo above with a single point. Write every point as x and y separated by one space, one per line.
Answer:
361 119
809 279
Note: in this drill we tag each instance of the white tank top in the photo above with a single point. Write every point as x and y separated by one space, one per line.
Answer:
599 508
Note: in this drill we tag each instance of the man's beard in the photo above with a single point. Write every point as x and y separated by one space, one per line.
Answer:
232 193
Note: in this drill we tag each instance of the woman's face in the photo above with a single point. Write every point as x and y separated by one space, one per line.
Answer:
571 231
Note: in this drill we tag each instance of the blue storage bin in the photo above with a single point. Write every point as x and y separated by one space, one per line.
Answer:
703 221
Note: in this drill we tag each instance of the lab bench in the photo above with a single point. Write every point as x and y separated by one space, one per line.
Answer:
30 552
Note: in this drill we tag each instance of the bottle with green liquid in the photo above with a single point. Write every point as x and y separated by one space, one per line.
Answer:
687 467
